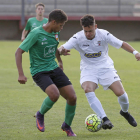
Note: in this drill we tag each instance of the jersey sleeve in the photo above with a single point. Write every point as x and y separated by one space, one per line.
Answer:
113 41
29 41
71 43
28 26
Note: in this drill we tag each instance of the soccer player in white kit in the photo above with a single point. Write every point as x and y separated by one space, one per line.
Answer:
97 67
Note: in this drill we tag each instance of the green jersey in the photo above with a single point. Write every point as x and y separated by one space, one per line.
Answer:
42 47
33 23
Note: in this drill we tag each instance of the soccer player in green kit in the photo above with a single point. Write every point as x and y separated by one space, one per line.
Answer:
42 45
35 21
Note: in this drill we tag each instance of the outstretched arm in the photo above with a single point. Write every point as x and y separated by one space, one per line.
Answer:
18 56
59 59
130 49
63 51
24 33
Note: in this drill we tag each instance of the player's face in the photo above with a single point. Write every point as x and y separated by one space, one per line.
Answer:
90 31
40 11
58 26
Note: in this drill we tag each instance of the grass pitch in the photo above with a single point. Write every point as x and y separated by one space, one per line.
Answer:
19 103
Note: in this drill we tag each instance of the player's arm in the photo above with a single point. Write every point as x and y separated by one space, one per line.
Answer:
63 51
26 30
59 59
18 56
112 40
71 43
29 41
130 49
24 33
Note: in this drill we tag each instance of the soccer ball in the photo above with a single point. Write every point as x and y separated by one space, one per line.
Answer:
93 123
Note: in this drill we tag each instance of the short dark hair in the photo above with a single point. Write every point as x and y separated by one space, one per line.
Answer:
58 15
87 20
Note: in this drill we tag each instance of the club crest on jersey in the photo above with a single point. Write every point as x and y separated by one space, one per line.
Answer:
56 37
93 55
99 43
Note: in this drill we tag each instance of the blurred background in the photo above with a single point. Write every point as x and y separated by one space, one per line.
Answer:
120 17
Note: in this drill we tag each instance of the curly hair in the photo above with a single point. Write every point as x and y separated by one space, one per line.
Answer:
58 15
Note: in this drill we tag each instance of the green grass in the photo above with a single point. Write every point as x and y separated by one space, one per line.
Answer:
18 103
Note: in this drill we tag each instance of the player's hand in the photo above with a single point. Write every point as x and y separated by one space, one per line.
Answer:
137 56
22 79
22 39
63 51
66 52
60 65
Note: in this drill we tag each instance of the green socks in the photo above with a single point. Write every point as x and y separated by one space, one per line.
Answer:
69 110
47 104
69 114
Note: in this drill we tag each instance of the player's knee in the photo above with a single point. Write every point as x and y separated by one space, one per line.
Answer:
54 97
52 92
119 92
72 99
87 89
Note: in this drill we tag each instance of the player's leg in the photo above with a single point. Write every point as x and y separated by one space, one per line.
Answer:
69 94
89 82
123 100
109 79
46 84
66 90
119 91
95 104
53 95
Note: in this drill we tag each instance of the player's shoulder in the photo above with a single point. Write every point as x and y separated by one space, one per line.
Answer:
46 19
102 32
32 18
79 35
37 30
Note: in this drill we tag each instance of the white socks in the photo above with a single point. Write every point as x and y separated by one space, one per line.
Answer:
95 104
124 102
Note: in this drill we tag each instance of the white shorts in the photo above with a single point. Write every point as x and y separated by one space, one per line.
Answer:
104 77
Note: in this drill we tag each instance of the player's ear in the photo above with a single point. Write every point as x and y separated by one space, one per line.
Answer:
95 26
53 22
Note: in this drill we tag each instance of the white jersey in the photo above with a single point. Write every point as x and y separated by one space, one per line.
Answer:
94 53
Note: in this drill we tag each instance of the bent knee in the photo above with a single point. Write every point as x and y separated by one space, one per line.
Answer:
52 92
72 100
55 97
88 89
119 92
